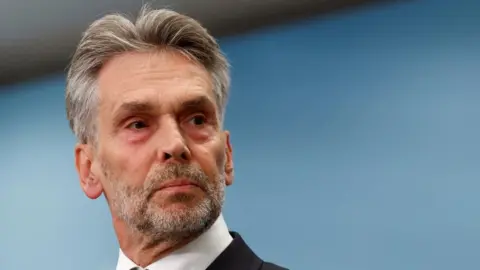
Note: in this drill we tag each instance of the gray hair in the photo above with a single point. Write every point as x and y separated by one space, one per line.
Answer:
152 30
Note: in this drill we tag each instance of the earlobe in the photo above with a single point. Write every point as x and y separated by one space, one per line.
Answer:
229 175
89 182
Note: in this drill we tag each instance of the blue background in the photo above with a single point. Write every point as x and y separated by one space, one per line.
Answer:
356 140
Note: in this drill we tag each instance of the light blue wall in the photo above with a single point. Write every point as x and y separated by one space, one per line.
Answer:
356 145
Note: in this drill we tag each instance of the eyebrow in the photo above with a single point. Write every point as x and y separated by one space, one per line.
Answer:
137 107
197 102
133 107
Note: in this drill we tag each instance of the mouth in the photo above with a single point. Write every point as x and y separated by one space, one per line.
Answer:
178 185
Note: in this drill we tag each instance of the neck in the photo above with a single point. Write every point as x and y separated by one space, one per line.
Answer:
140 248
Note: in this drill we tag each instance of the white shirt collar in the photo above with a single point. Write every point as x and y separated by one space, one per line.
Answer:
196 255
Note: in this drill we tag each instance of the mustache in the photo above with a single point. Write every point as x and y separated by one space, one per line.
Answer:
158 176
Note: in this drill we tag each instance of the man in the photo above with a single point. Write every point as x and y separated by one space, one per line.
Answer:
146 100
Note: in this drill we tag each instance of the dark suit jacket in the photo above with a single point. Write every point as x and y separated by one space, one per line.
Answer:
238 256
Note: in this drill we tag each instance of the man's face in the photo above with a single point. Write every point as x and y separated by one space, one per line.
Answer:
160 158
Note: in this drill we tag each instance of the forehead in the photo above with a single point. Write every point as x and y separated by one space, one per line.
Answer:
163 77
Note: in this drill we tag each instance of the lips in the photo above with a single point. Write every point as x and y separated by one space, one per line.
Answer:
177 183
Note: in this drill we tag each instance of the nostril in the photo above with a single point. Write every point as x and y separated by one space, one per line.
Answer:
167 156
184 156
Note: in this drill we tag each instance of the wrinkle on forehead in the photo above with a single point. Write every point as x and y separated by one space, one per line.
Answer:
123 75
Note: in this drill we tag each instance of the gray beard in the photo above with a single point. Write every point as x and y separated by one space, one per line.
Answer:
134 207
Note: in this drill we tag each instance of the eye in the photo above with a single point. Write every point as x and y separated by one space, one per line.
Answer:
137 125
198 120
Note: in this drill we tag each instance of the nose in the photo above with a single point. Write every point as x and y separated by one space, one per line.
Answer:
171 144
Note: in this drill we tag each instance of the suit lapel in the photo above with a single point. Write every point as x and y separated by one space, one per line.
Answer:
237 256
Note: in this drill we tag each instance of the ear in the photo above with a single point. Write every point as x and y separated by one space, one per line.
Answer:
90 183
229 175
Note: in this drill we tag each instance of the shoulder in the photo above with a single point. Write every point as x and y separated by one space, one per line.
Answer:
239 256
271 266
260 263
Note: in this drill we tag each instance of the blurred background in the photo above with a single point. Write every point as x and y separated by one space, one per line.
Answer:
355 127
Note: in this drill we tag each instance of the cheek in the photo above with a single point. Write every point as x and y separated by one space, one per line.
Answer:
211 157
220 157
128 165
